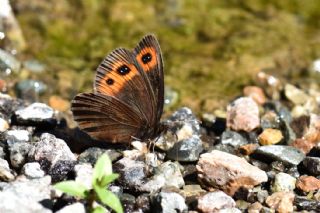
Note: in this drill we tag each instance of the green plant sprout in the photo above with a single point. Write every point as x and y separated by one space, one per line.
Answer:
102 177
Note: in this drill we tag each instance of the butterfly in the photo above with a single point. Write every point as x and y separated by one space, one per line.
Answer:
127 101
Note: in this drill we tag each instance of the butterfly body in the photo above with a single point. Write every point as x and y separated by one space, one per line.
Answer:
127 101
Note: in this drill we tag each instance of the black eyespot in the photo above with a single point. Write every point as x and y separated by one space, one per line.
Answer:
146 58
123 70
109 81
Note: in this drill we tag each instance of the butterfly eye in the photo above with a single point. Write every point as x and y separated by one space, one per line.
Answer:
109 81
123 70
146 58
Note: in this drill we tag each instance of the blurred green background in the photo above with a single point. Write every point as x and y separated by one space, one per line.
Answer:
211 49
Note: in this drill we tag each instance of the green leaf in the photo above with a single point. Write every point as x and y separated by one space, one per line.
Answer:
109 199
102 167
72 188
99 209
107 179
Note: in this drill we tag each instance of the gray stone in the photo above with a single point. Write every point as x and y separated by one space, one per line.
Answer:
232 138
187 150
283 183
168 174
35 112
286 154
54 156
132 173
24 195
14 136
30 89
216 202
312 165
8 62
19 153
170 202
32 170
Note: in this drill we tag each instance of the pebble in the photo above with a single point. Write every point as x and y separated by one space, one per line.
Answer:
54 156
308 183
19 153
248 149
73 208
270 136
286 154
228 172
132 173
168 202
256 93
58 103
30 89
243 114
215 202
84 172
168 175
233 139
295 95
5 172
283 183
306 204
281 201
303 145
312 165
186 150
313 132
35 112
15 136
32 170
4 125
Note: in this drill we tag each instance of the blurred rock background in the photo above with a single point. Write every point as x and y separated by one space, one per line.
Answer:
50 49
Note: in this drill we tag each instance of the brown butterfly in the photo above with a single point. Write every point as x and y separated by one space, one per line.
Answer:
128 96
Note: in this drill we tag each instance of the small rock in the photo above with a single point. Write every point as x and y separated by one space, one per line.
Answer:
182 125
32 170
19 153
215 202
312 165
295 95
243 114
15 136
5 172
34 66
132 173
233 139
283 183
306 204
256 93
270 137
54 156
35 112
143 203
308 183
168 202
168 174
192 192
303 145
228 172
186 150
270 120
255 207
72 208
281 201
213 123
84 172
313 132
286 154
4 125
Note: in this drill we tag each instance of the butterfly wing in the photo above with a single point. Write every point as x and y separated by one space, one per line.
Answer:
149 57
105 117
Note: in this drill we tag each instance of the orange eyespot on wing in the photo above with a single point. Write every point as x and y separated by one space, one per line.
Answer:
147 58
115 80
